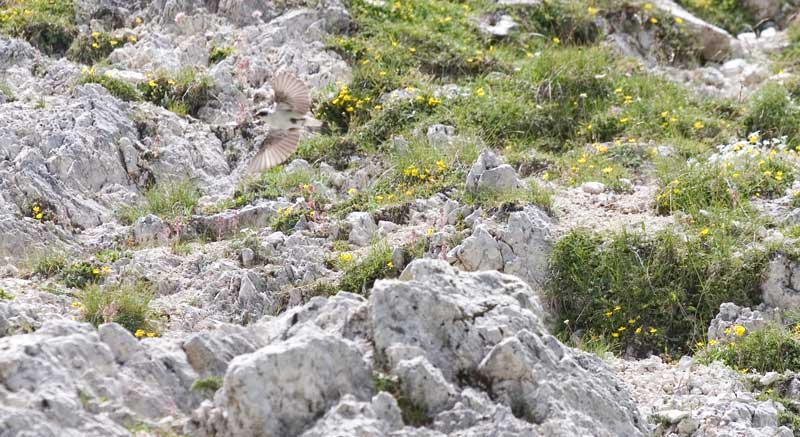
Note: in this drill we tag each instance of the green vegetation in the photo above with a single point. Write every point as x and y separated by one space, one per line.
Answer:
413 413
654 294
127 304
92 48
774 113
81 274
773 348
48 262
168 200
4 295
209 384
46 24
6 91
734 16
118 88
377 264
217 54
184 93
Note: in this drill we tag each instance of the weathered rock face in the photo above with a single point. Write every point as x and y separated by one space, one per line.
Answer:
488 326
279 389
781 286
520 247
490 174
731 315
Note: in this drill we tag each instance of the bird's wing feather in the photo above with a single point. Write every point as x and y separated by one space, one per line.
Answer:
276 148
292 91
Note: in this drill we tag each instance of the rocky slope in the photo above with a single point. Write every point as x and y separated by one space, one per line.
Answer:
397 277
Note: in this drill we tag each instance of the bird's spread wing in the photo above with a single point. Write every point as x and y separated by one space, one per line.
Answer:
278 146
291 91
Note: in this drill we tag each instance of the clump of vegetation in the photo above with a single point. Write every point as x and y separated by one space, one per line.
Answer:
184 93
125 303
47 24
217 54
92 48
168 200
209 384
6 91
361 275
118 88
287 218
534 194
276 183
735 16
81 274
651 294
4 295
751 168
41 210
773 348
48 263
774 113
413 414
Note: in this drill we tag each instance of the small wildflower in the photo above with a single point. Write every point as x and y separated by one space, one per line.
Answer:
152 84
699 344
592 11
609 313
429 232
600 148
479 92
105 269
390 265
698 124
138 20
617 308
739 330
712 342
653 331
753 138
704 232
95 271
546 176
95 45
654 20
75 304
608 170
352 191
139 333
95 34
151 334
727 331
638 330
648 6
631 321
678 21
621 328
556 40
615 334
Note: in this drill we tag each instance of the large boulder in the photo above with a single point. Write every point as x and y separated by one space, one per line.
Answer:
282 388
486 327
489 173
781 285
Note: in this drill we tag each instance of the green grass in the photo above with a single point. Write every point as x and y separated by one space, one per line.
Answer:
47 24
48 262
774 348
654 294
774 112
731 15
4 295
95 47
217 54
118 88
82 274
275 183
361 275
209 384
5 89
126 304
184 93
532 194
168 200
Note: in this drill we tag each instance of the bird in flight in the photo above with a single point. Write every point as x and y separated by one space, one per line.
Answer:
292 103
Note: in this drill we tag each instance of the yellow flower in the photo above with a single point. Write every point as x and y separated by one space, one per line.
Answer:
479 92
739 330
621 328
753 138
377 107
132 38
350 109
379 198
608 170
678 20
390 265
617 308
624 120
75 304
618 91
653 331
592 11
352 191
556 40
615 334
113 43
151 334
440 165
139 333
654 20
704 232
95 271
698 124
712 342
95 45
546 176
138 20
648 6
638 330
95 34
582 160
432 101
429 232
609 313
600 148
36 208
152 84
105 269
631 321
699 344
39 216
